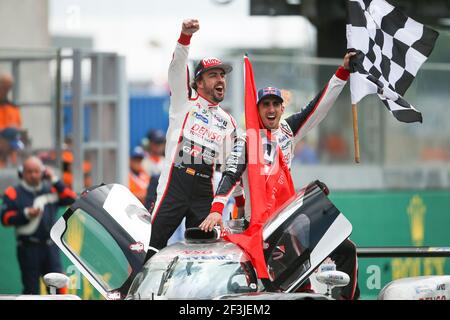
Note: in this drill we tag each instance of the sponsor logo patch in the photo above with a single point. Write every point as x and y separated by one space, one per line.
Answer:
190 171
283 138
115 295
440 286
200 117
220 126
210 62
205 133
220 122
137 247
196 151
286 129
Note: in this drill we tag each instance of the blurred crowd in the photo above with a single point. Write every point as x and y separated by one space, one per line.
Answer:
12 134
146 161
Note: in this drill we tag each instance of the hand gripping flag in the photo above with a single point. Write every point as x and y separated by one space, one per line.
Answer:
269 188
391 48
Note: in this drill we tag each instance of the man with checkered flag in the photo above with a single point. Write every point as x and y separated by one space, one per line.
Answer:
391 48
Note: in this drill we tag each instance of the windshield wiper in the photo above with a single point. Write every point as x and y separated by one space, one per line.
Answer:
167 274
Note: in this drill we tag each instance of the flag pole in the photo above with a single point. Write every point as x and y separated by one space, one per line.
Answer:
355 131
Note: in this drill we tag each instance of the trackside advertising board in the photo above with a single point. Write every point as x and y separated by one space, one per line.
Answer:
394 218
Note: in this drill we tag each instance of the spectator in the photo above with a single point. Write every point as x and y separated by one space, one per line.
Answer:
10 123
67 160
155 143
10 144
87 174
9 112
434 152
138 179
335 147
31 207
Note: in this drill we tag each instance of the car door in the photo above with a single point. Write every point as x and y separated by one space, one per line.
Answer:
300 236
105 233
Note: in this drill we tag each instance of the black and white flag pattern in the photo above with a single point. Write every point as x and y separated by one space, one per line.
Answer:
391 48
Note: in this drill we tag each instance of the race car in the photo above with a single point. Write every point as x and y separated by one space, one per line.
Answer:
115 229
417 288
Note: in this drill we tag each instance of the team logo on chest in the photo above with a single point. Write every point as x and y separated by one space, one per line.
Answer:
286 129
201 116
220 122
205 133
196 151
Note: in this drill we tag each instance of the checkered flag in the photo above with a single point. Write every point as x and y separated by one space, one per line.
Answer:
390 47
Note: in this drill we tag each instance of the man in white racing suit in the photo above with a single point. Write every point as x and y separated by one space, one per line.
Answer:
287 133
199 138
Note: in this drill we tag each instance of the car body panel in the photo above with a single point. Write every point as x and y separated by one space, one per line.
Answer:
115 228
296 239
417 288
274 296
202 271
300 236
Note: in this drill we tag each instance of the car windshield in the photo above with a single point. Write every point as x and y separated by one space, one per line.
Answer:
190 279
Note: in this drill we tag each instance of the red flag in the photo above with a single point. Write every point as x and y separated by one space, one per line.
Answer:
270 185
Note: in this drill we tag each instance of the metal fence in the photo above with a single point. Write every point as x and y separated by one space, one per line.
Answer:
97 83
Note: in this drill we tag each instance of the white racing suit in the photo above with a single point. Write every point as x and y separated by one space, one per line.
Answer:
291 130
199 138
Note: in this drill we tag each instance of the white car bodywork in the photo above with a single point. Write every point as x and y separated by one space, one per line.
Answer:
417 288
310 227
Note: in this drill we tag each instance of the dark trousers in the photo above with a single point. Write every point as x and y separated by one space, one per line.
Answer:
36 260
187 196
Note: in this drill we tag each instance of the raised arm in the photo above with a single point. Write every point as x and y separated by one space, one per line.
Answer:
311 115
178 70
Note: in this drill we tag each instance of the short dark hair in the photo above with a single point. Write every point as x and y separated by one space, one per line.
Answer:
194 82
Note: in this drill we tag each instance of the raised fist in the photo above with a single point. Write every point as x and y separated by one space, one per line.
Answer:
190 26
347 60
